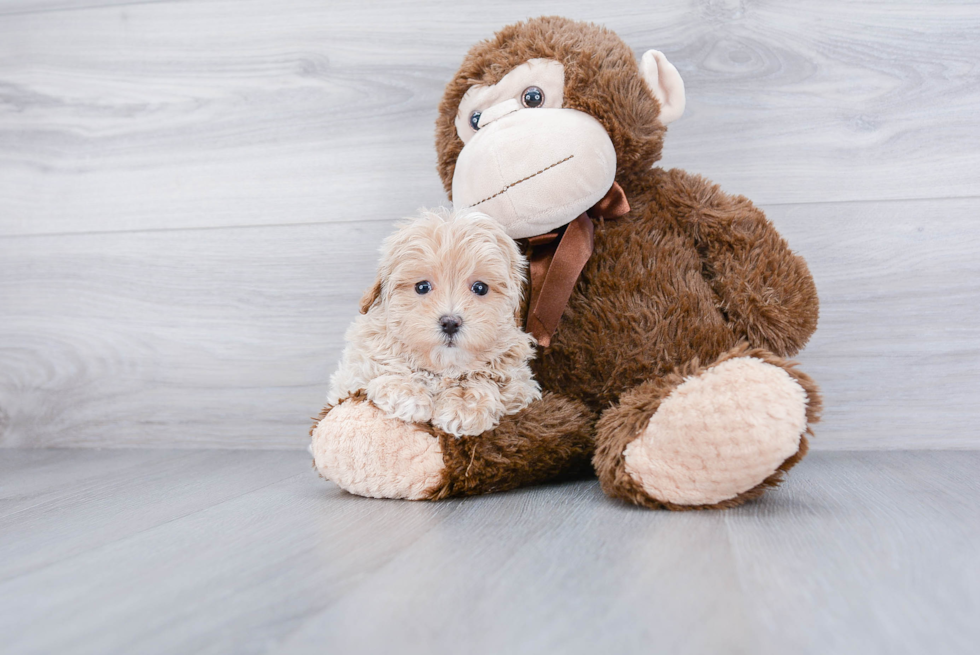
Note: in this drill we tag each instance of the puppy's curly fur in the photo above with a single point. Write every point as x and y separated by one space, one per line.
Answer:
439 340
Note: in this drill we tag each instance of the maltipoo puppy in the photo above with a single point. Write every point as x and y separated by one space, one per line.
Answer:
438 340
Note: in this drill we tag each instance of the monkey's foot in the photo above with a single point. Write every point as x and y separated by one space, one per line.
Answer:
713 439
367 454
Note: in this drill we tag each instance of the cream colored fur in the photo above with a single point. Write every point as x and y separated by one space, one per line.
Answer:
665 83
397 352
520 167
719 433
367 454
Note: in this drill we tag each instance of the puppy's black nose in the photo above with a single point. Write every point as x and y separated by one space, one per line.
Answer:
450 324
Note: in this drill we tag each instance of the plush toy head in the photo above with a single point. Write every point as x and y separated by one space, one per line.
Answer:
540 120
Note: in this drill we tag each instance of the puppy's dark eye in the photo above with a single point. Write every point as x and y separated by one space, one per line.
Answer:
480 288
423 287
475 120
532 97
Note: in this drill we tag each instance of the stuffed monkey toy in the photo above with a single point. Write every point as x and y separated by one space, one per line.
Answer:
664 308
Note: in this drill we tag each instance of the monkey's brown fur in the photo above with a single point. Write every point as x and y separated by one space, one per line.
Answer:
555 434
689 278
622 423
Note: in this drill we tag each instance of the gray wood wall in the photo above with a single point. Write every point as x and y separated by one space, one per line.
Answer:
192 194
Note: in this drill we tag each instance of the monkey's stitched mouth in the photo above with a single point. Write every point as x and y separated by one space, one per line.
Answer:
524 179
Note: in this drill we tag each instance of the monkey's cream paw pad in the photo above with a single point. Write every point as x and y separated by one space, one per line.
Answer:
719 434
366 454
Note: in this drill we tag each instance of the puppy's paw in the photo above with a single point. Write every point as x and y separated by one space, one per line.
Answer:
519 393
466 411
400 398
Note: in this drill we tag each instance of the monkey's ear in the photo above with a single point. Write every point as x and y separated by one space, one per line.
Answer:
371 296
666 84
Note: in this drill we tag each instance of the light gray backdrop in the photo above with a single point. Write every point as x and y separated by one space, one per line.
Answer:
192 194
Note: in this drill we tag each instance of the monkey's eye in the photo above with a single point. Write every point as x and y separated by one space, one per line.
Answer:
480 288
533 97
423 287
475 120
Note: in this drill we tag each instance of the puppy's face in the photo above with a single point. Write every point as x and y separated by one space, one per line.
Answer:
450 289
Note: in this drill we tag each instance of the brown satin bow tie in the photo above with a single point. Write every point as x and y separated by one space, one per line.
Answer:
557 259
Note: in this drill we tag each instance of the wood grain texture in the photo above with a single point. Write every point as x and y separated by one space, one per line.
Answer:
897 349
891 520
192 195
864 553
186 338
226 337
13 7
224 113
112 502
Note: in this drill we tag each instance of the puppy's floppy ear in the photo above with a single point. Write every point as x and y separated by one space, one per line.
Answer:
371 296
516 263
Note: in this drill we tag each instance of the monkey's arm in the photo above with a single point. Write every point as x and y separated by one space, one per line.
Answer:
766 291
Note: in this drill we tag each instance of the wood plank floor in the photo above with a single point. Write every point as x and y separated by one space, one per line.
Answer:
145 551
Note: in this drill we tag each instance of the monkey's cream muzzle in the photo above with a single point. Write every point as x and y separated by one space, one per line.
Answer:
534 169
535 166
